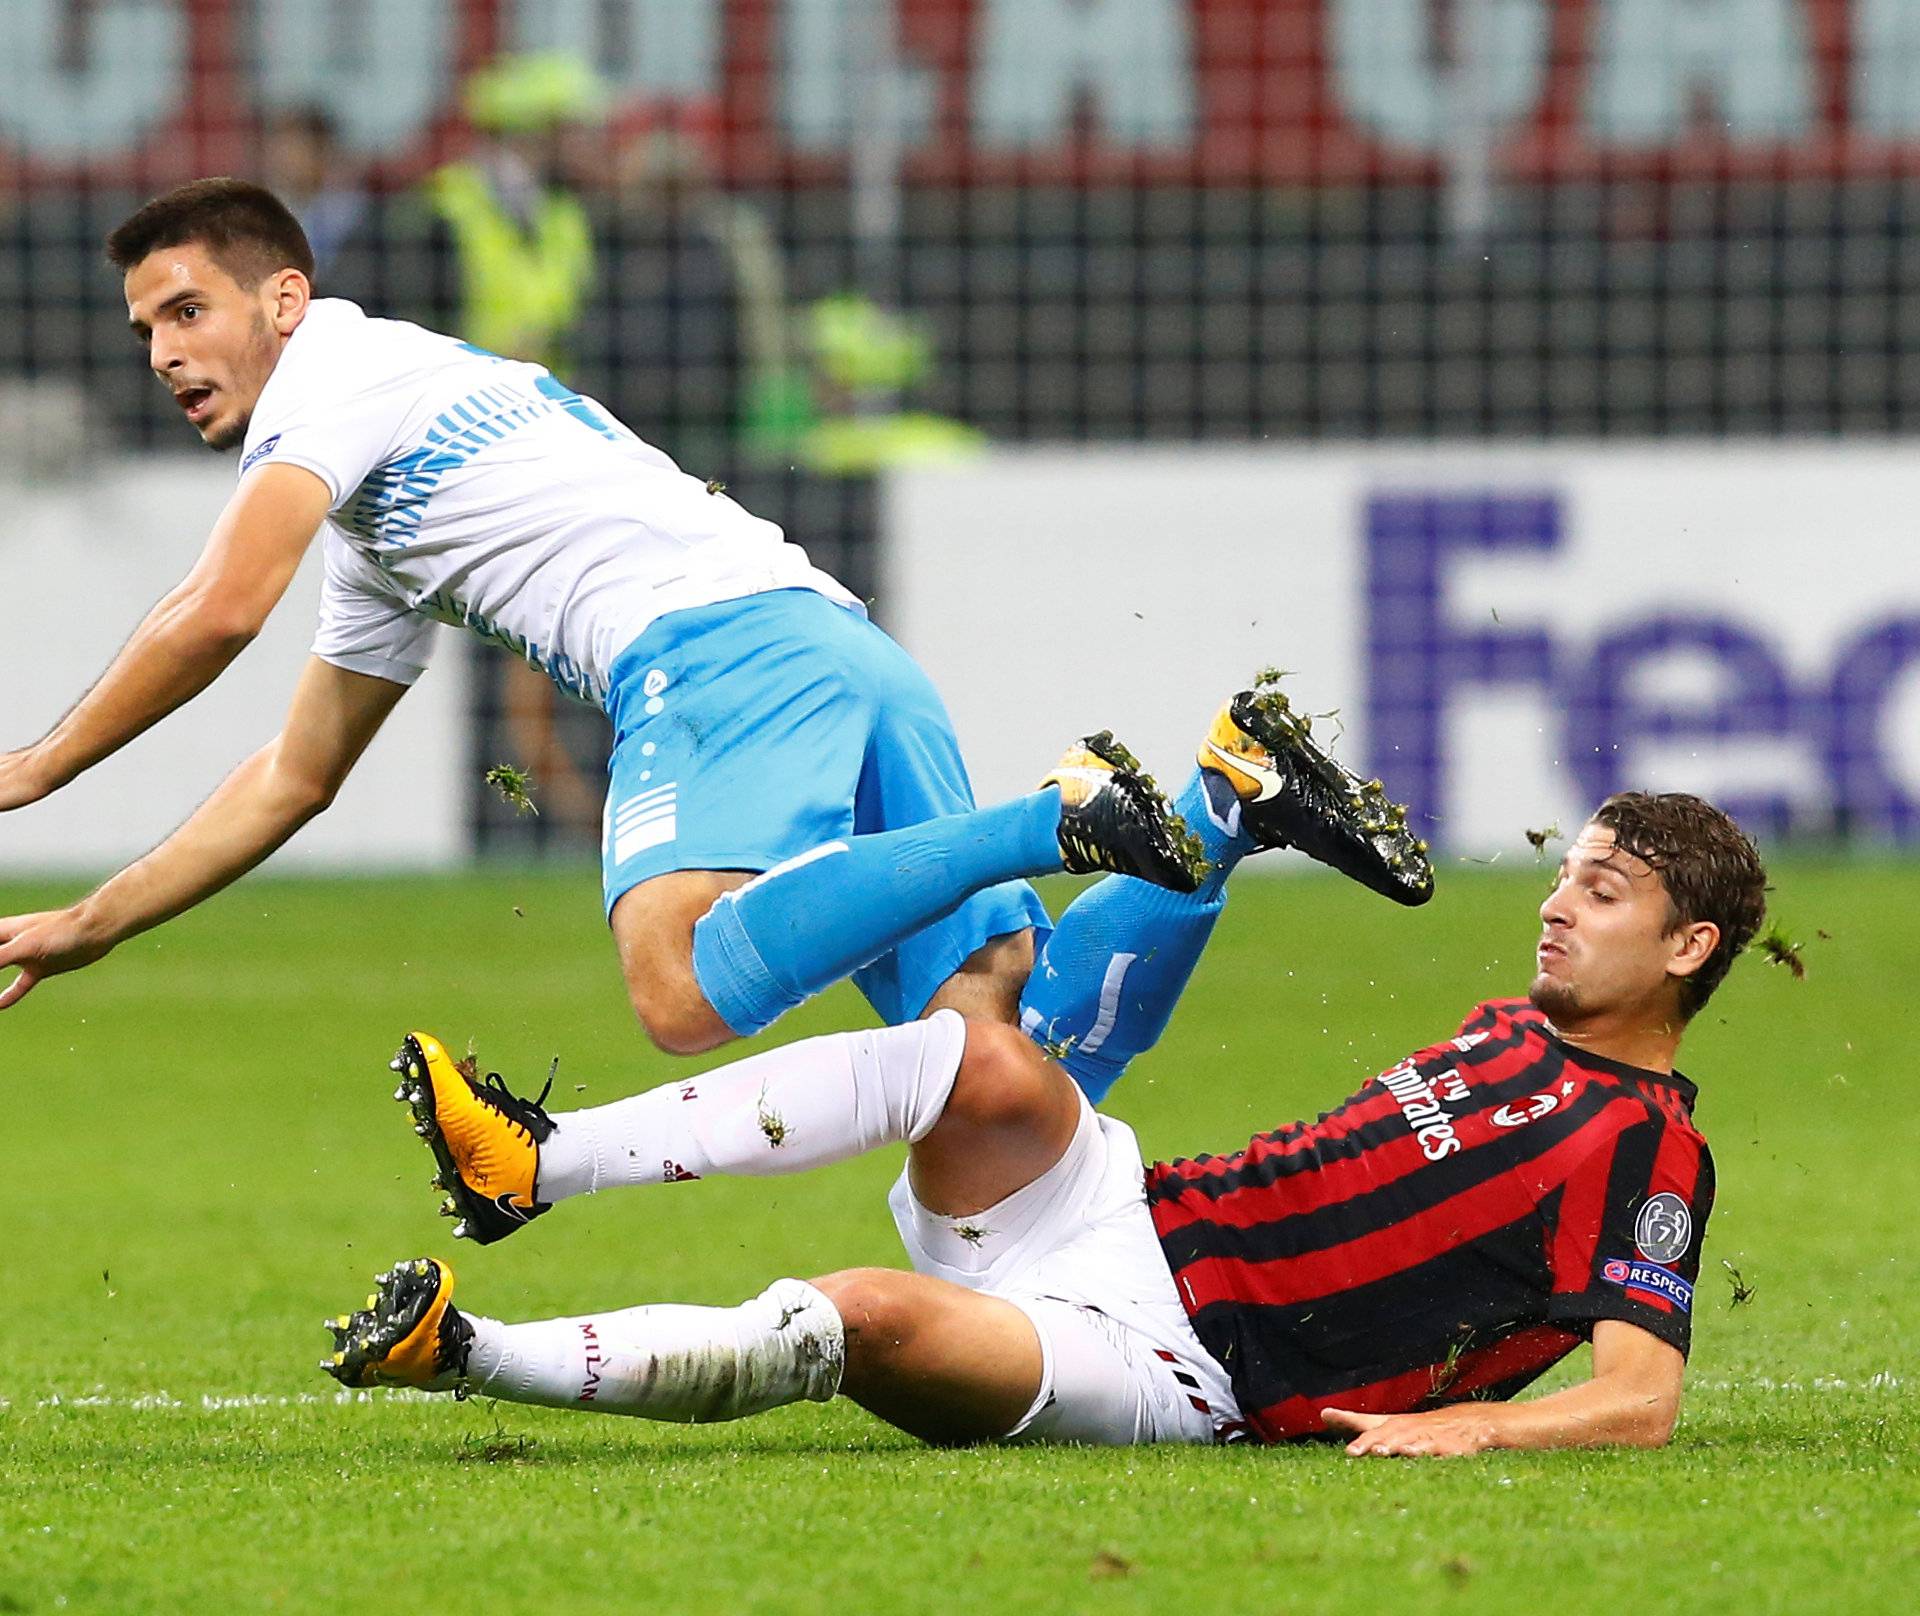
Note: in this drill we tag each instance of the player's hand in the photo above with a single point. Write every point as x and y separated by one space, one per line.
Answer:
1441 1433
20 782
44 945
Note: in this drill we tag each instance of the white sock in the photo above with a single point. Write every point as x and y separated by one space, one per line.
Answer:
688 1364
801 1106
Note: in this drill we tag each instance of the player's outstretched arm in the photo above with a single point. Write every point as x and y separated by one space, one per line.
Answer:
335 715
188 639
1632 1400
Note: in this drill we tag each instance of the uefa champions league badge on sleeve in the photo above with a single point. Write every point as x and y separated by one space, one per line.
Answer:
1663 1228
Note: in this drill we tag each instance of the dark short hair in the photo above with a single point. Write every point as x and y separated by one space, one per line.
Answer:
248 230
311 119
1711 871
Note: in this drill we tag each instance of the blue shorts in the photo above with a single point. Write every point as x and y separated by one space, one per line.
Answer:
751 730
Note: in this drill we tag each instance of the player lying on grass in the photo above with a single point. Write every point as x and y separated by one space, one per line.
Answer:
1393 1272
786 803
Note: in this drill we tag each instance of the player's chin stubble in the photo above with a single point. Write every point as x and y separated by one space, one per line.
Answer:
1557 1001
230 436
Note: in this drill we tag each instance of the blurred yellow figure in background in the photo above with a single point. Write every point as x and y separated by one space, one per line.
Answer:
865 359
522 237
525 267
819 385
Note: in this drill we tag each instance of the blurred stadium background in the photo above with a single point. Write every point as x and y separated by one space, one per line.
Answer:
1529 376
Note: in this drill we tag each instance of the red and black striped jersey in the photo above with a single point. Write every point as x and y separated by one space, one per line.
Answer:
1451 1231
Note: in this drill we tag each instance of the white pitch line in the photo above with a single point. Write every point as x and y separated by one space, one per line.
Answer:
1883 1380
212 1403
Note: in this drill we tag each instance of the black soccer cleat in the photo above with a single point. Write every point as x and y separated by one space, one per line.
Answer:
1260 759
485 1138
408 1334
1114 818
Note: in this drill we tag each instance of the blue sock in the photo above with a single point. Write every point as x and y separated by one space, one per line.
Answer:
1105 985
775 942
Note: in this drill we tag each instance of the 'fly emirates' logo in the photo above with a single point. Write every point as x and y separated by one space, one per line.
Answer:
1423 1102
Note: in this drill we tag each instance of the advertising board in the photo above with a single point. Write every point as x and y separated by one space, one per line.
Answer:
1503 635
83 562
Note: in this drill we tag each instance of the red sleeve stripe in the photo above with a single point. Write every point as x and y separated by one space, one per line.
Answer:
1582 1218
1592 1193
1676 1166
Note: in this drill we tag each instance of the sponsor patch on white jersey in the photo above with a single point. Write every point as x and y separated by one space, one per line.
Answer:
259 452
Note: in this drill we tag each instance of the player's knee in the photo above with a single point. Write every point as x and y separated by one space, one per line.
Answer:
1003 1082
677 1018
653 933
877 1312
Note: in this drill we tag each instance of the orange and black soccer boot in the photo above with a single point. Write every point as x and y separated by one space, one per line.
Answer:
408 1334
485 1137
1113 817
1260 763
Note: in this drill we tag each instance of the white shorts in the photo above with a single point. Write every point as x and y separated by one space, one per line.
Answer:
1077 1253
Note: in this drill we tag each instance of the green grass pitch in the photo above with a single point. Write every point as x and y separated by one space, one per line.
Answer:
202 1159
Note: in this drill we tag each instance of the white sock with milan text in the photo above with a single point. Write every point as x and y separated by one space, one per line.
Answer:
687 1364
801 1106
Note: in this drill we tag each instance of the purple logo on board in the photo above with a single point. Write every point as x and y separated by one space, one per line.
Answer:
1425 650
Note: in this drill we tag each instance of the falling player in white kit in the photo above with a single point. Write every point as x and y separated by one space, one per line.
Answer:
787 802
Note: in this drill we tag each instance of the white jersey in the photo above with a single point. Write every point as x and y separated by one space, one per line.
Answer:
477 490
